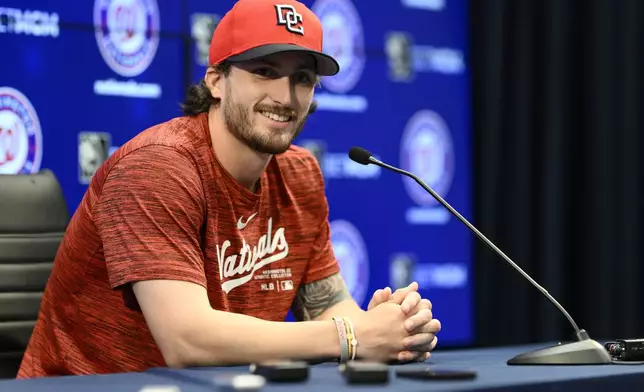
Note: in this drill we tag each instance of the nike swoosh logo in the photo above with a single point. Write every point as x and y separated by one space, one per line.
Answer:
241 224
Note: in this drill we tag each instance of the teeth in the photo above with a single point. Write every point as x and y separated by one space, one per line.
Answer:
275 116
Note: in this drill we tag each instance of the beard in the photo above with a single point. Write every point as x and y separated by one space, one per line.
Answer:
238 120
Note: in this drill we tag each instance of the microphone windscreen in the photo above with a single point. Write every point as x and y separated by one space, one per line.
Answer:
360 155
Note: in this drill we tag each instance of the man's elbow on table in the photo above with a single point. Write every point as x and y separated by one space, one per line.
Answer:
177 320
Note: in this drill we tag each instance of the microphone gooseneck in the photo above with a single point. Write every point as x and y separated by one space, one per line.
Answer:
364 157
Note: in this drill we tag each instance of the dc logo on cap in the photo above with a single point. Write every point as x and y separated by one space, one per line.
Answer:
344 40
427 151
127 34
20 134
288 16
351 253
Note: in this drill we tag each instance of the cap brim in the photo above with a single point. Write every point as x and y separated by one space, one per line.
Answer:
325 64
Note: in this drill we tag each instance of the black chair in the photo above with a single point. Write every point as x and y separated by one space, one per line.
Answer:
33 219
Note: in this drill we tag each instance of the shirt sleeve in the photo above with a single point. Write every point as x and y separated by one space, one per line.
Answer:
322 263
149 216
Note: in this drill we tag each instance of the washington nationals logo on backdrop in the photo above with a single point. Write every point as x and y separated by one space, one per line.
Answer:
93 150
351 253
398 48
20 134
344 40
202 28
127 34
318 149
401 270
428 152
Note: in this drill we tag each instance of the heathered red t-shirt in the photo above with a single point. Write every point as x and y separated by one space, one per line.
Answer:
162 207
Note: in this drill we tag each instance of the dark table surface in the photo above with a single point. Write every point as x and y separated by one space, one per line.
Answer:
490 365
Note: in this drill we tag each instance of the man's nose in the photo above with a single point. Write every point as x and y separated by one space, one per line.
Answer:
283 92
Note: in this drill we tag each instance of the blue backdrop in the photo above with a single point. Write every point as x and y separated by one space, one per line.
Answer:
79 79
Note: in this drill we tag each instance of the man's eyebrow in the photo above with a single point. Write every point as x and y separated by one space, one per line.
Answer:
306 67
301 67
267 62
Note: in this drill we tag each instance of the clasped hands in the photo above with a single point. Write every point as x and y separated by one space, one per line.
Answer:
419 323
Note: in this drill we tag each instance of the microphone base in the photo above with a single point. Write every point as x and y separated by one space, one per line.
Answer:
583 352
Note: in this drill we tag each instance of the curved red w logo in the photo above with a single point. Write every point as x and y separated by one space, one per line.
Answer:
8 144
126 21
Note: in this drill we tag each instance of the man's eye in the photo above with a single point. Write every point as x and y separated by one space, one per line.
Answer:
305 78
263 72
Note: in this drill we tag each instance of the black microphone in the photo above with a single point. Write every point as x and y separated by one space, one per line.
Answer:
583 352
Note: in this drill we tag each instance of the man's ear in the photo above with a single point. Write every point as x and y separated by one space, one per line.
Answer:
214 82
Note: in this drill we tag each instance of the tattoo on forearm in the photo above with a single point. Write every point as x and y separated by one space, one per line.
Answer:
314 298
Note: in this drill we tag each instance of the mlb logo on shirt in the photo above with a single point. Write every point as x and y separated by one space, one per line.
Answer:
286 285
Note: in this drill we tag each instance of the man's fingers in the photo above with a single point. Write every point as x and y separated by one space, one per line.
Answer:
428 347
423 304
420 319
433 326
379 296
400 294
410 302
418 354
419 342
375 299
423 337
412 356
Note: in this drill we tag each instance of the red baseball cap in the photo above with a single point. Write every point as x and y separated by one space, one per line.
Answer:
258 28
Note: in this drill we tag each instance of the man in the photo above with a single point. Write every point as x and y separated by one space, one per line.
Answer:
196 237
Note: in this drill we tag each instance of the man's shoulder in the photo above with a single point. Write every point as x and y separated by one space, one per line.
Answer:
180 132
299 162
298 171
180 135
173 147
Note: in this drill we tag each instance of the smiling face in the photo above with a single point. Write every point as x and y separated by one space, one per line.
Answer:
265 102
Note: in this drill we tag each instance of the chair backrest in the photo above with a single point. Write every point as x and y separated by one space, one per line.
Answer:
33 219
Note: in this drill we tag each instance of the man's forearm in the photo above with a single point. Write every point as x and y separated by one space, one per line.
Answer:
224 338
324 299
346 308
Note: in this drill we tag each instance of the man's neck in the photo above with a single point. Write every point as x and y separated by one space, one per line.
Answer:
243 163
